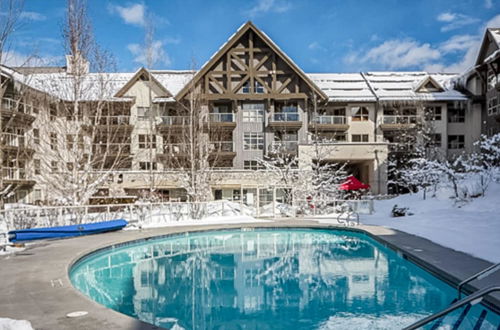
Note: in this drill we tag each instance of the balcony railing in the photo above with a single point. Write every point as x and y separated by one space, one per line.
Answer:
111 148
283 146
222 146
285 117
174 120
399 120
329 120
111 120
222 118
13 140
12 173
14 105
176 148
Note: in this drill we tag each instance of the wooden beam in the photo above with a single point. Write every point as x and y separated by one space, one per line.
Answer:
243 81
285 83
250 63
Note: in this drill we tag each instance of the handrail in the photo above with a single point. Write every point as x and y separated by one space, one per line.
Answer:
474 298
479 275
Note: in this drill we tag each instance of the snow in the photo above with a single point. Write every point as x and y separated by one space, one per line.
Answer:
444 222
217 220
10 324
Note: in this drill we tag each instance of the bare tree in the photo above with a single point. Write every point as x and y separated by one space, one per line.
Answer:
87 131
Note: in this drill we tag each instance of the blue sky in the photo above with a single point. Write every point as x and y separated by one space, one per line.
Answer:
320 36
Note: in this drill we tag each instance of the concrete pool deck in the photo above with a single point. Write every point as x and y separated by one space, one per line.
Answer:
35 285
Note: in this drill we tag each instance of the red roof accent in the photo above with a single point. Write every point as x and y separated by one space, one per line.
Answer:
352 183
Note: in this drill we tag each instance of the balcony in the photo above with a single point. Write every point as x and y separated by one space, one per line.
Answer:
285 120
15 143
24 112
111 149
223 148
398 122
173 122
12 175
117 123
329 123
283 147
222 120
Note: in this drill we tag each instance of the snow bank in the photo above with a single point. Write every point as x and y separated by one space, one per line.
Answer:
10 324
444 222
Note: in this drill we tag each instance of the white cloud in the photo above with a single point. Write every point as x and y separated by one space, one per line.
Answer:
268 6
398 54
158 54
488 4
32 16
455 21
316 46
133 14
459 43
446 17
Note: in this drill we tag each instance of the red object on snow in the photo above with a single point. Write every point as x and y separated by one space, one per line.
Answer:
353 184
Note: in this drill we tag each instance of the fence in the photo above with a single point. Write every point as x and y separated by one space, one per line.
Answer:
163 213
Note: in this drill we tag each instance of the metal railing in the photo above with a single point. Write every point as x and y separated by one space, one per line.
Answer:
175 120
283 146
222 146
473 299
110 120
14 105
284 117
13 173
13 140
478 276
221 118
329 120
111 148
404 120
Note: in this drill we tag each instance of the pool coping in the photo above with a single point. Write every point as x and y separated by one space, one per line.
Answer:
36 285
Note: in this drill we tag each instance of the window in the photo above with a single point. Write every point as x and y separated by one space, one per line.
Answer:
37 166
359 138
146 166
70 138
253 141
456 141
53 141
36 136
147 141
253 112
435 140
252 165
143 113
70 166
433 113
246 88
359 113
456 115
53 111
493 106
259 89
491 80
53 166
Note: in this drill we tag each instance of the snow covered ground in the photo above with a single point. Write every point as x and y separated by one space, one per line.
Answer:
10 324
473 228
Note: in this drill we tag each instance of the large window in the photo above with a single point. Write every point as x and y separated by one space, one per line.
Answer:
253 141
146 166
147 141
456 142
456 115
253 112
359 138
493 106
359 113
143 113
252 165
433 113
53 141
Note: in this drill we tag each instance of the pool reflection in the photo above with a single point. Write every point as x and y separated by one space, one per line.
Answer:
262 279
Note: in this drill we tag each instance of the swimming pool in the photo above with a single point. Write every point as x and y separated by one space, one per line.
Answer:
265 279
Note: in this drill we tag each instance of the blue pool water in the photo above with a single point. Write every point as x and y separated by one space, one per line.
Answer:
265 279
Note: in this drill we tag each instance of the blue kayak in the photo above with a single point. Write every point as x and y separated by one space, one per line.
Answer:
66 231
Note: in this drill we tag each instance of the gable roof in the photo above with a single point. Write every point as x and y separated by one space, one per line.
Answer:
426 81
491 37
135 77
231 41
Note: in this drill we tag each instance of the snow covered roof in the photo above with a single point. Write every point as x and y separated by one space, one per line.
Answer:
495 33
172 80
386 86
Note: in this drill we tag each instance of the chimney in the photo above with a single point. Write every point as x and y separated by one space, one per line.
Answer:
76 65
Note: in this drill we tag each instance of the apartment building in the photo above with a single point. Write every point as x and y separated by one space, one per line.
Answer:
252 101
